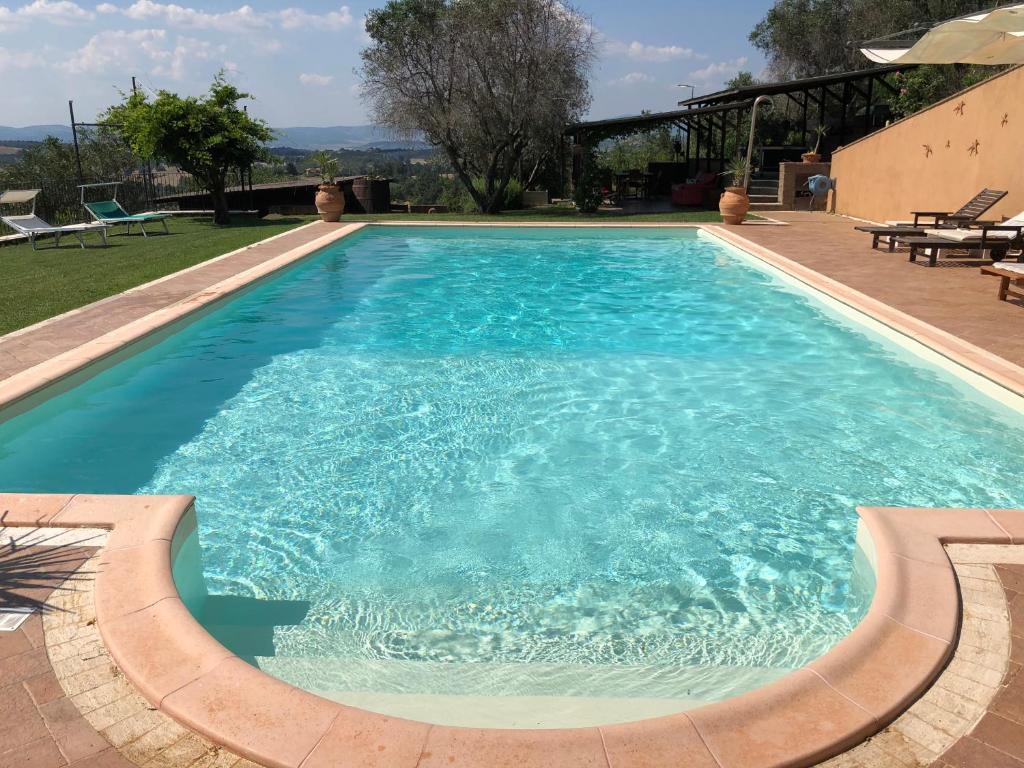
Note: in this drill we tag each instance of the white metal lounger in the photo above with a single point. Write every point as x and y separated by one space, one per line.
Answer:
31 226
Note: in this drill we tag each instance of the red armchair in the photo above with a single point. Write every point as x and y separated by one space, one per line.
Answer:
697 192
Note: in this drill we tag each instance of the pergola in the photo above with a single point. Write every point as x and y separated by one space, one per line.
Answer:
708 120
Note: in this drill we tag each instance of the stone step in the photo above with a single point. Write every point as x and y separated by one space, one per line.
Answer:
764 198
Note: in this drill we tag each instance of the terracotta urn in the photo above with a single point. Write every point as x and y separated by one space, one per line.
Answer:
330 202
811 157
733 205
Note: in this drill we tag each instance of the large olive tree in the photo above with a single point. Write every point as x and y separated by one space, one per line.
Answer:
206 136
487 81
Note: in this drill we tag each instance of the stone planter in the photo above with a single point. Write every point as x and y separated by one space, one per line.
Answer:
330 203
810 157
733 205
374 195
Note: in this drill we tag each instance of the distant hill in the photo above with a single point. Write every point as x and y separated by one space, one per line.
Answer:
341 137
35 132
333 137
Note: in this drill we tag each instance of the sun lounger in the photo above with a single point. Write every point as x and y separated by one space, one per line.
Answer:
1011 279
111 212
933 244
968 213
32 226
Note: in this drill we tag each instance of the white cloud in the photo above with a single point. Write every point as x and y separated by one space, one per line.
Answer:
10 60
60 12
643 52
309 78
296 18
244 17
149 50
719 71
187 49
632 79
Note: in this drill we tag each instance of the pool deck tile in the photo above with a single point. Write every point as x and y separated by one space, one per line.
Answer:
120 596
253 714
31 509
884 692
796 721
492 748
160 647
369 741
656 743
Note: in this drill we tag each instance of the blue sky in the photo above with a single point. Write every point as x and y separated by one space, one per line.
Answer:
298 56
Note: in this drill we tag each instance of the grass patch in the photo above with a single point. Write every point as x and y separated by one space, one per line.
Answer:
35 285
566 215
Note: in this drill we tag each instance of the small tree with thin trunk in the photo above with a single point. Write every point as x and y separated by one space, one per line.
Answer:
487 81
206 136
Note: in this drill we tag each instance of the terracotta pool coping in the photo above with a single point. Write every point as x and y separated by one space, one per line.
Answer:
830 705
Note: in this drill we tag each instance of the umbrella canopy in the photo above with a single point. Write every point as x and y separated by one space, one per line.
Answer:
993 37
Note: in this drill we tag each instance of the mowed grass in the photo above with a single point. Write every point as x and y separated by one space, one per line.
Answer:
35 285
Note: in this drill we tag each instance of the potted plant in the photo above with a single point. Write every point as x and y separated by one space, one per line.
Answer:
330 203
734 202
814 156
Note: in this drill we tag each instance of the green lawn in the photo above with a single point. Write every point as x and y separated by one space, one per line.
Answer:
35 285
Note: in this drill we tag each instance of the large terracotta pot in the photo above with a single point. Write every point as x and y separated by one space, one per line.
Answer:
733 205
811 157
330 203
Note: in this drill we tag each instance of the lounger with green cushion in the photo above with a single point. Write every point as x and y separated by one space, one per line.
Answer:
32 226
967 214
110 212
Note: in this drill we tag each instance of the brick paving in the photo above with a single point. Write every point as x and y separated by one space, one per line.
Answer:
997 741
40 727
953 295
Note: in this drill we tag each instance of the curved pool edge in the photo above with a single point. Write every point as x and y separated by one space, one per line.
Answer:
827 707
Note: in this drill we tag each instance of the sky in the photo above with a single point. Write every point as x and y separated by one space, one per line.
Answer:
299 57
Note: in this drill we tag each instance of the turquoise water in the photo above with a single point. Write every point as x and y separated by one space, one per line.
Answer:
545 462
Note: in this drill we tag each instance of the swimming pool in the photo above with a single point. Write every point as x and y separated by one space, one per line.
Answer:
593 475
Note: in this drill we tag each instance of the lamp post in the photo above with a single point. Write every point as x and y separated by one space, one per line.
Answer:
685 85
750 141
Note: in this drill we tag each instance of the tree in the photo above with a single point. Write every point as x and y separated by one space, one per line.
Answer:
804 38
205 136
484 80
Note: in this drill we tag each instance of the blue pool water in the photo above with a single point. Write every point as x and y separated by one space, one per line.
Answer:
534 463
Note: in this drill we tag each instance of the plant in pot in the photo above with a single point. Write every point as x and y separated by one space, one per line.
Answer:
814 156
734 202
330 202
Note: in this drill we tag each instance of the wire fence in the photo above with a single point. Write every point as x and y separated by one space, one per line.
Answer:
57 169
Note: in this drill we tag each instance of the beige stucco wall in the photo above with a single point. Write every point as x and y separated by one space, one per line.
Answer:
939 158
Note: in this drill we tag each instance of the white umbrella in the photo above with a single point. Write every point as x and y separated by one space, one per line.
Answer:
994 37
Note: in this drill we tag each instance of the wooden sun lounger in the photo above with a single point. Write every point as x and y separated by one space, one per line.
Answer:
967 215
1010 281
934 244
